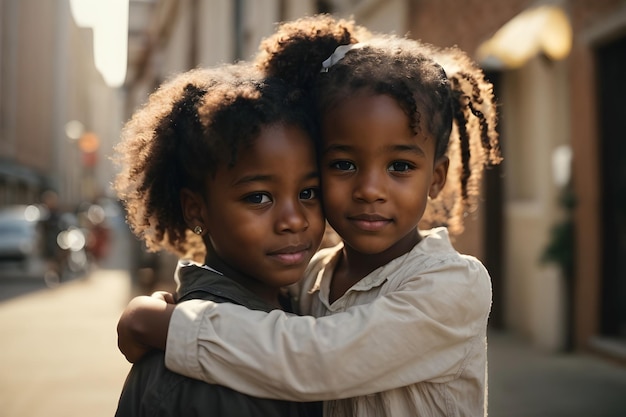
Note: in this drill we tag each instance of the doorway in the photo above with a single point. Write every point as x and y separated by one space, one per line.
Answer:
611 70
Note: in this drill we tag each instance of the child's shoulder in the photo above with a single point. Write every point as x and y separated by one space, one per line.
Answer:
436 252
436 264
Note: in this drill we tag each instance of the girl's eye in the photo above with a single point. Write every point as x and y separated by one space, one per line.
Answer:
309 194
343 165
399 166
257 198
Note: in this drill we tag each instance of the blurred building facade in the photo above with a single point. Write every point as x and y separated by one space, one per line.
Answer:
58 118
557 68
551 109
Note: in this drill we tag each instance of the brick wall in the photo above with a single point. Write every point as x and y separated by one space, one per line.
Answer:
465 23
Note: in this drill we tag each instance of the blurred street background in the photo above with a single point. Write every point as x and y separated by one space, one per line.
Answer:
551 228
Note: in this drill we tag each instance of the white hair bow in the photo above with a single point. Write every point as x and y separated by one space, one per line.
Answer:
338 55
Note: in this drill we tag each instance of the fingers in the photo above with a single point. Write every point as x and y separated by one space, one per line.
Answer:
164 296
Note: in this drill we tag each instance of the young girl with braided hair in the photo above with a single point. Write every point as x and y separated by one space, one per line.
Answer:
219 166
396 318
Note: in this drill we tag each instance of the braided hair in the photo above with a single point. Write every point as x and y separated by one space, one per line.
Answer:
188 127
441 90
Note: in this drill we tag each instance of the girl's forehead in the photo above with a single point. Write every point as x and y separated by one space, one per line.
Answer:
374 123
273 139
362 112
363 99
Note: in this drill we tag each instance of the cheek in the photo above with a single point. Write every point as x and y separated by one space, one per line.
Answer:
317 223
232 224
414 203
233 240
334 202
333 194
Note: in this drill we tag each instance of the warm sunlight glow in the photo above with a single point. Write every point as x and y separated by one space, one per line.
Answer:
542 29
109 21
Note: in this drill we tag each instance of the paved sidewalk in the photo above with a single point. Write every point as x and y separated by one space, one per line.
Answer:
526 382
58 357
58 352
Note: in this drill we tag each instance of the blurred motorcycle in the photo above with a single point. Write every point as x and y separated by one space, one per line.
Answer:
35 243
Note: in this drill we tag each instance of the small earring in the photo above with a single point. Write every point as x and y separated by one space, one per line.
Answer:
198 230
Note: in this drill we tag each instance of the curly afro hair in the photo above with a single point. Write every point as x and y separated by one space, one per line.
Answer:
188 127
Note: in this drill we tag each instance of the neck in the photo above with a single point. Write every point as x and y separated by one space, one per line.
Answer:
357 265
269 294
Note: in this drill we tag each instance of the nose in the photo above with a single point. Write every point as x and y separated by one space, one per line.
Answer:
370 187
291 217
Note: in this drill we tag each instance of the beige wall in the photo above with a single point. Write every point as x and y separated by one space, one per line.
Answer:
376 15
35 85
216 32
534 100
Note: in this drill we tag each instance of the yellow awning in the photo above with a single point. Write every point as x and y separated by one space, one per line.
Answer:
542 29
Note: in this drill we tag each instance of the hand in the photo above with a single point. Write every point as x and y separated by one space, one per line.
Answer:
127 338
168 297
143 325
127 342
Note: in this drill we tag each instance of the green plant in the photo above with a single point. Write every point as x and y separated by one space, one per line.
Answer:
561 247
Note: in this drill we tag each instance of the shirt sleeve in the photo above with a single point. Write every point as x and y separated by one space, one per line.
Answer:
422 331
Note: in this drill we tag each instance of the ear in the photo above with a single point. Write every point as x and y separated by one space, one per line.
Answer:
440 173
193 207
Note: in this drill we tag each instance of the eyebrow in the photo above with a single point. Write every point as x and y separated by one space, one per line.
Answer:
408 148
393 148
337 148
251 178
264 178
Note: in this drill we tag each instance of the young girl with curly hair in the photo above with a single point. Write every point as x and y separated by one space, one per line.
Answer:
395 318
219 166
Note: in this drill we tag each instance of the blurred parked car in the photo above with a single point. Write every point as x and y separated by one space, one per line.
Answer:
21 242
23 245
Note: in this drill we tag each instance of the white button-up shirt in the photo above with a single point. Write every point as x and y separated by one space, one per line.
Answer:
409 339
